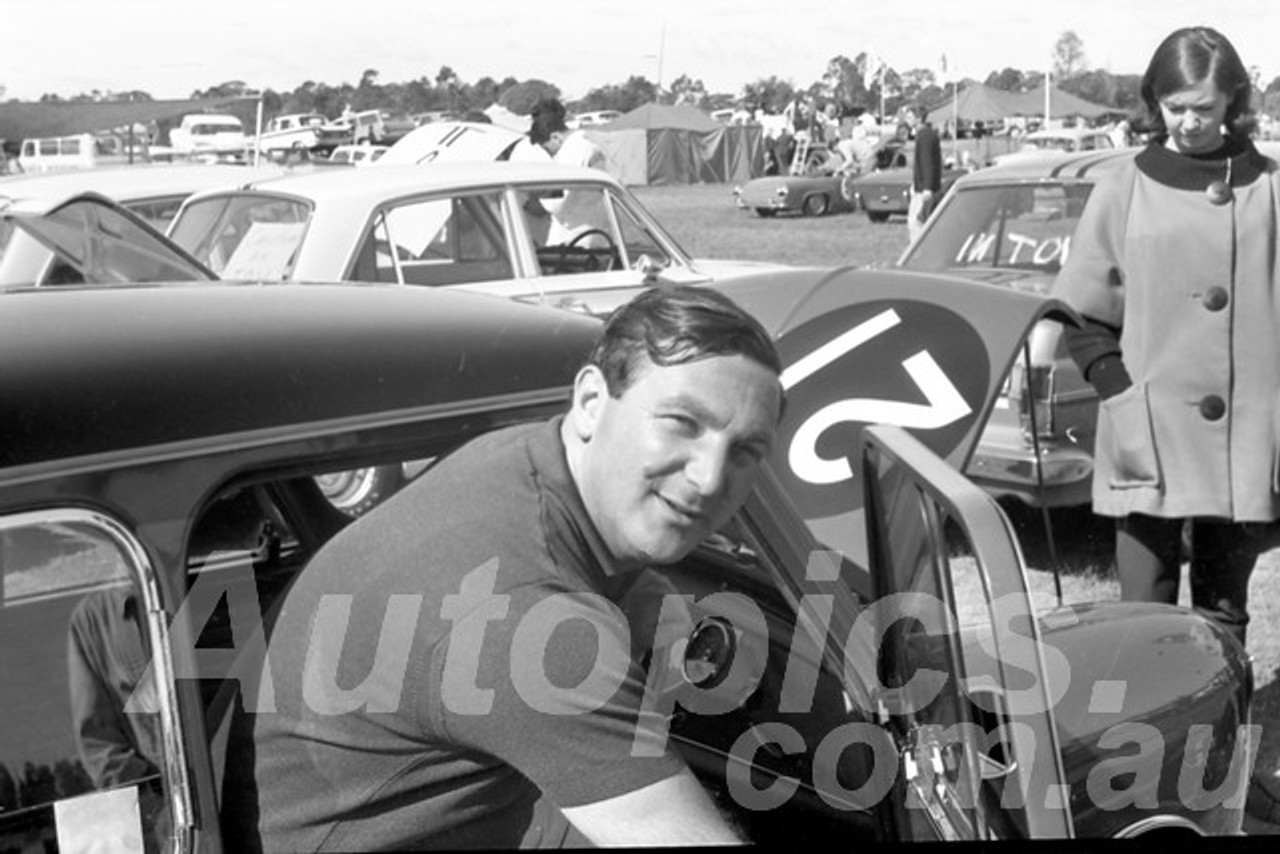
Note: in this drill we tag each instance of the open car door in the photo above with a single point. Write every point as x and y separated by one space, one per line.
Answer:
965 691
89 240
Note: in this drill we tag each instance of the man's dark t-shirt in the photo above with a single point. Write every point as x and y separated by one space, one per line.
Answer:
440 665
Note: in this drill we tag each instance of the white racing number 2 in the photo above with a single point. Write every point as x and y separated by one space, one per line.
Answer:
944 403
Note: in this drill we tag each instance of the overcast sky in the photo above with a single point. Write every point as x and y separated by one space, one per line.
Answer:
170 48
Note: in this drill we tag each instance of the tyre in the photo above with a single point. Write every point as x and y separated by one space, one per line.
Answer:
357 491
815 205
878 216
765 212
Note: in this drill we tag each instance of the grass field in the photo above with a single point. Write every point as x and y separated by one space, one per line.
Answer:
708 224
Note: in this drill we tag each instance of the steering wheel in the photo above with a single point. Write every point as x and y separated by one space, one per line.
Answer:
593 263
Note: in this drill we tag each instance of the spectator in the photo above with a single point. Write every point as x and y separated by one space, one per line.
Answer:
1173 268
926 178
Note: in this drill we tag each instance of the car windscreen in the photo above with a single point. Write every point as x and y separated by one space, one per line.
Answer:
1018 226
244 236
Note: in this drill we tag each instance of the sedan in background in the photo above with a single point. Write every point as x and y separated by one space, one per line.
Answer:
886 191
536 231
1012 226
808 195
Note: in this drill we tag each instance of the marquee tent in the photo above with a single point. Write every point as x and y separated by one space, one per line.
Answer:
1061 104
974 103
680 144
977 102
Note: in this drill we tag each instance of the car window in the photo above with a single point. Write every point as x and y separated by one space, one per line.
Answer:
638 240
249 236
81 753
572 228
158 212
442 241
1021 226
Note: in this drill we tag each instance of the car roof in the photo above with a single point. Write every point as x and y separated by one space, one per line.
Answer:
128 183
382 180
105 370
1074 165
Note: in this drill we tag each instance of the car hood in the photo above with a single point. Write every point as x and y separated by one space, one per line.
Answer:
860 346
1021 280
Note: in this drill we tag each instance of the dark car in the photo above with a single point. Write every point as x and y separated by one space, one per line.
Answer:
886 190
1012 226
861 658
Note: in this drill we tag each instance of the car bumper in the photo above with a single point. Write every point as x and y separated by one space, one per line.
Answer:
1004 464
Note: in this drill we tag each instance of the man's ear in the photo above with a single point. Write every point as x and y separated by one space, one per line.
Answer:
590 391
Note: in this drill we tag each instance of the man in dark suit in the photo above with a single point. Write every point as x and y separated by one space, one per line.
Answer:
926 183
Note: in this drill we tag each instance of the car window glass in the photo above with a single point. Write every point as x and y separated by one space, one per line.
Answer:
1021 226
445 241
637 239
80 706
572 228
249 236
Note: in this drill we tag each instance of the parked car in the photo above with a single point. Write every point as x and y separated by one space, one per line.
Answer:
1012 225
302 132
538 231
886 190
211 137
809 195
1055 141
163 475
152 191
357 155
593 119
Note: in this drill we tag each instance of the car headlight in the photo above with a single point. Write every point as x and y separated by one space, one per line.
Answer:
781 192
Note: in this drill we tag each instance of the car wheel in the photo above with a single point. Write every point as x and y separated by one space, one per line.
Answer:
878 216
358 491
815 205
765 212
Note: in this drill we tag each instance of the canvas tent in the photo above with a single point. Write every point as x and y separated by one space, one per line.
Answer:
1061 104
679 144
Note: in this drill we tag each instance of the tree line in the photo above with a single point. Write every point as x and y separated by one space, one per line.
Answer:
862 83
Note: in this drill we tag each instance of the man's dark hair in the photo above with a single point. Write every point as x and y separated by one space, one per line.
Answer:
546 117
675 324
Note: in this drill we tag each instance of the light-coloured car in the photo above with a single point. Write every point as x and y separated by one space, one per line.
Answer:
152 193
358 155
565 235
1056 141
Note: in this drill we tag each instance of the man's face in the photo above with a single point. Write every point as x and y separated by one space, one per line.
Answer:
553 143
669 461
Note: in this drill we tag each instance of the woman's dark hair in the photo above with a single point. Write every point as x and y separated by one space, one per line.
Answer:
672 325
1188 57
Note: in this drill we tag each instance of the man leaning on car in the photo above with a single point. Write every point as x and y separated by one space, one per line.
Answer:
510 544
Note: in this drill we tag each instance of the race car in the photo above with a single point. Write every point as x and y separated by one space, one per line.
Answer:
861 658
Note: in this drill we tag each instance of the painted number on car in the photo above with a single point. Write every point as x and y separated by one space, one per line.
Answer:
891 361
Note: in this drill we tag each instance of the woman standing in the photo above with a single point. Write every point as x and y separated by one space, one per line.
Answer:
1174 267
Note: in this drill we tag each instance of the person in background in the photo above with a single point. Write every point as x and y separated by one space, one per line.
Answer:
548 128
926 178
